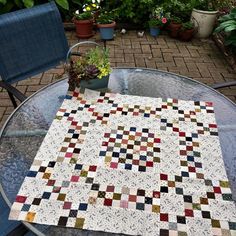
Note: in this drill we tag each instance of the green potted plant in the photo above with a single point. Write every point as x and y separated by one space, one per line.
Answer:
106 25
225 35
187 31
90 69
204 15
174 26
83 24
157 21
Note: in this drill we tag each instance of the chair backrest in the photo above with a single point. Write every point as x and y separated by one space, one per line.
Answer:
31 41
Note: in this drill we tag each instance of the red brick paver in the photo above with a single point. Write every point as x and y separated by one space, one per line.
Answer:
198 59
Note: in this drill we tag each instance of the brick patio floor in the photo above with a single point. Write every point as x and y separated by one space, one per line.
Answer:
198 59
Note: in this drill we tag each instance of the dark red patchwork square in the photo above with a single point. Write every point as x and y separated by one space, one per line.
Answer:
157 140
189 212
107 202
20 198
189 148
217 189
163 217
163 177
191 169
156 194
92 168
149 163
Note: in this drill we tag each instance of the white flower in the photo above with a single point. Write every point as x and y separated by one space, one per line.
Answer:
98 1
77 12
93 1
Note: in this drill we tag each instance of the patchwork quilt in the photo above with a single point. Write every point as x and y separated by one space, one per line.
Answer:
132 165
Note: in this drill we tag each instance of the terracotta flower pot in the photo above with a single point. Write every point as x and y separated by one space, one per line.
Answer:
84 28
186 35
107 30
174 29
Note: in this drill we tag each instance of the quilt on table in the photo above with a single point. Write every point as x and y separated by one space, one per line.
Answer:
129 164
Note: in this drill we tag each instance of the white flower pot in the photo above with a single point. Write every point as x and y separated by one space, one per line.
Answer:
204 21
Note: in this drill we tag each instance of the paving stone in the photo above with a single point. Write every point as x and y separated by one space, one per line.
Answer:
34 88
198 59
146 49
168 57
129 58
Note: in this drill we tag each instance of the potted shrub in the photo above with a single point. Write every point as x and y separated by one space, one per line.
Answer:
90 69
187 31
174 26
157 21
106 25
204 15
83 24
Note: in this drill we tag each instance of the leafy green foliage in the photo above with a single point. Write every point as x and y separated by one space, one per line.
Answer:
84 16
106 17
228 25
132 11
63 3
210 5
178 8
176 20
3 2
28 3
154 23
187 25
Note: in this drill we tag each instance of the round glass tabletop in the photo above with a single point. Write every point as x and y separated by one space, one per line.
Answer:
25 129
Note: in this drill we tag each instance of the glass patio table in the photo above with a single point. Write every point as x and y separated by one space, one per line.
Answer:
25 129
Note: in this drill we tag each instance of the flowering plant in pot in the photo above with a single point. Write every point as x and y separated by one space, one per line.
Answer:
90 69
83 24
187 31
157 21
174 26
106 25
84 21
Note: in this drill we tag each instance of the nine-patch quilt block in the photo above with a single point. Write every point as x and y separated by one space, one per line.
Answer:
129 164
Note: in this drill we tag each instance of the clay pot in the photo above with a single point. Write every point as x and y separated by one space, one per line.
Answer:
204 21
186 35
84 28
174 29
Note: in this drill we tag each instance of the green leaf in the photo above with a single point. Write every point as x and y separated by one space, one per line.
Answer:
18 3
28 3
230 28
229 22
7 7
63 3
78 2
3 2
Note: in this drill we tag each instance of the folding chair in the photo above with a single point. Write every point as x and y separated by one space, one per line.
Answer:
32 41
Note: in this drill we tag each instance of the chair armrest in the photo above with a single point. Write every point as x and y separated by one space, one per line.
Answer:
19 95
224 85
